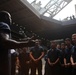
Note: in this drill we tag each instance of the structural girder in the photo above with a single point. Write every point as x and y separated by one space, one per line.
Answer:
52 8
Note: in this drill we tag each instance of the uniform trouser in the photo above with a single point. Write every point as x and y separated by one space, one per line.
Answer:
74 71
68 71
36 66
53 70
62 72
27 69
24 69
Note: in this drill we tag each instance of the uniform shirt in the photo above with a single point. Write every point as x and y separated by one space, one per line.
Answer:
23 58
36 51
53 55
74 53
62 54
68 54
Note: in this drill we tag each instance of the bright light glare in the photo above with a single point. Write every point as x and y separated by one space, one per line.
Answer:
68 11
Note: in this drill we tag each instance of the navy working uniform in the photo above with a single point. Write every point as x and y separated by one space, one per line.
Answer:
23 58
74 58
53 55
68 70
36 52
62 54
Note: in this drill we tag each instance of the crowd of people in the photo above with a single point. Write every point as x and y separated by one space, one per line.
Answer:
60 58
20 57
